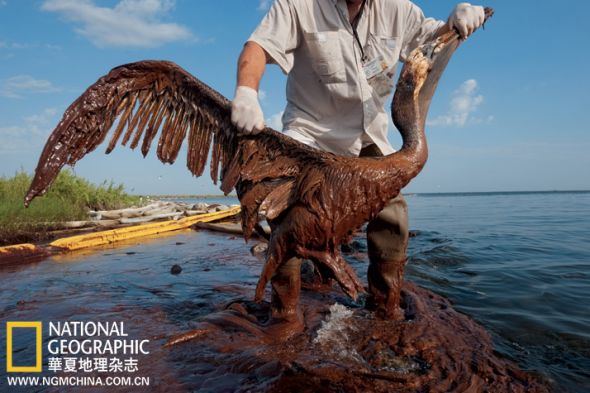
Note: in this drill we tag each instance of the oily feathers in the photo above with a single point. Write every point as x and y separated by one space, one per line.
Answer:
158 100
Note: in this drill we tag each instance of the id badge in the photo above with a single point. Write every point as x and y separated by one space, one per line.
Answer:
374 67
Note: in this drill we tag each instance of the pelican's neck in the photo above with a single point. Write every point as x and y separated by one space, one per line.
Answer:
406 163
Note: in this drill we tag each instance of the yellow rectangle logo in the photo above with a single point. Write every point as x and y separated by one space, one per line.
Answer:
38 347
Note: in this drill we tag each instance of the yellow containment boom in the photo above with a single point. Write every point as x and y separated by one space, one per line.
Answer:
17 252
116 235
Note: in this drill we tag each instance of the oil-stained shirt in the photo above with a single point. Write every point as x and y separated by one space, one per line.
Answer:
335 98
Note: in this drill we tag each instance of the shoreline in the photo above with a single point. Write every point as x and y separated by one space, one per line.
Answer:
153 211
189 196
442 193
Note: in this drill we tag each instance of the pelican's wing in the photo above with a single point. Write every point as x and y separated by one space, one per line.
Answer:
147 98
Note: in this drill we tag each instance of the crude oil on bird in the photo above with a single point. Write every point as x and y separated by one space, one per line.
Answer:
299 189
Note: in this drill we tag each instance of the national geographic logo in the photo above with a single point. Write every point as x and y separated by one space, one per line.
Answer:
78 353
13 329
73 346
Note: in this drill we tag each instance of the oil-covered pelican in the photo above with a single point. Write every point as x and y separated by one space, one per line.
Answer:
300 189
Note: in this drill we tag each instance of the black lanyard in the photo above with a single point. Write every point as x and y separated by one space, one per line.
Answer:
354 24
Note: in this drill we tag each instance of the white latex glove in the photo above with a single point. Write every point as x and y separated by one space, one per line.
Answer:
246 113
466 18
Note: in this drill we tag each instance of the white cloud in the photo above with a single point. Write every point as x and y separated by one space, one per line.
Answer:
15 86
17 45
20 45
12 131
263 5
275 121
38 124
29 133
34 125
130 23
52 47
464 103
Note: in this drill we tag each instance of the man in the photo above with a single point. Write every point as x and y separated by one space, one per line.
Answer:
340 57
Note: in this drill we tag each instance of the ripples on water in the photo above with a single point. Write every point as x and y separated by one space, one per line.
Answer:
519 263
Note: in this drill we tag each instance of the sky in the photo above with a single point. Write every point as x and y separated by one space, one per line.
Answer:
511 112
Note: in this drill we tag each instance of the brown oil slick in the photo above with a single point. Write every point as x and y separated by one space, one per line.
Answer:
341 349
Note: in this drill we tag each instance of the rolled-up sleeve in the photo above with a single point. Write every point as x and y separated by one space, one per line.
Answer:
419 29
278 34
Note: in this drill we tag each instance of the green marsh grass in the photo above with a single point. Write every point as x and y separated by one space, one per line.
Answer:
69 198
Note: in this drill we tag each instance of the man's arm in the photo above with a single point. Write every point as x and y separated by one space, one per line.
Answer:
251 65
273 41
246 112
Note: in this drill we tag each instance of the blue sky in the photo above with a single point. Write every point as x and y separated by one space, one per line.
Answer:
511 113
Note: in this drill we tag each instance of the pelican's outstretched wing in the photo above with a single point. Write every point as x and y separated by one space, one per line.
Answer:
148 97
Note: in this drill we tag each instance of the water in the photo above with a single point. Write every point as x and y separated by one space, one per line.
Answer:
518 263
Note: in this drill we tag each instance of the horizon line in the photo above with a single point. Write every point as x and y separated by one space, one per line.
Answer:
405 193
